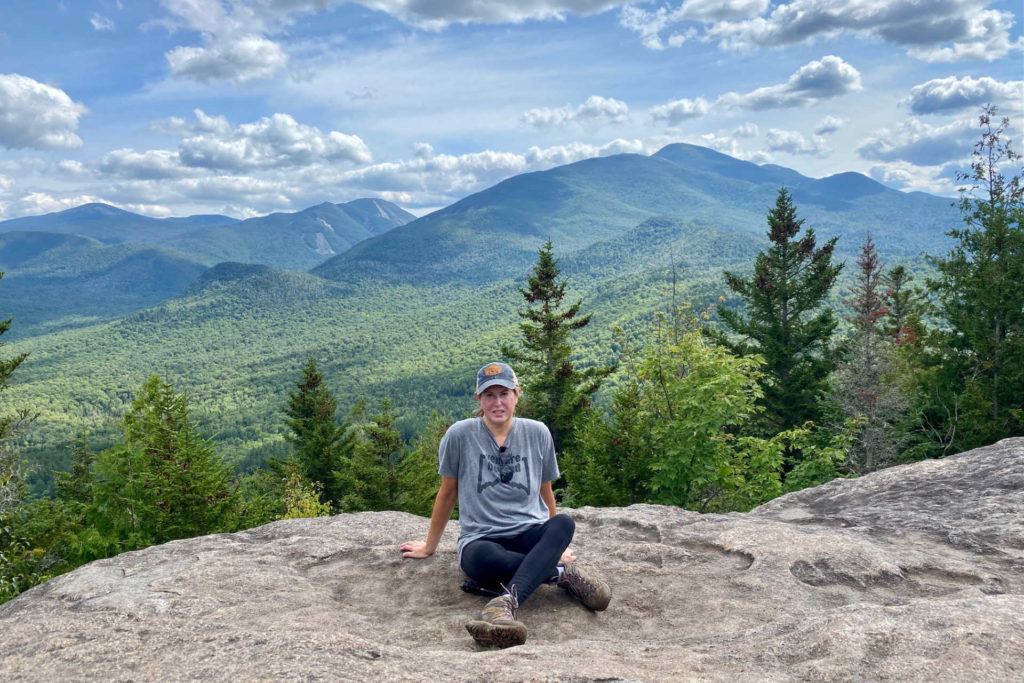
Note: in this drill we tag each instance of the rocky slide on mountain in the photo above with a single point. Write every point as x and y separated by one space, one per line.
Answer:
911 573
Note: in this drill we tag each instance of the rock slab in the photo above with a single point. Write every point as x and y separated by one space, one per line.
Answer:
914 573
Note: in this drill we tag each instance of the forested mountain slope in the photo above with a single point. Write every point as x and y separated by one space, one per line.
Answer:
52 281
409 313
112 225
299 240
96 262
496 231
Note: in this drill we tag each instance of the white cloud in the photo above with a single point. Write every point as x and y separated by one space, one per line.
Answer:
577 151
218 17
815 81
987 36
963 25
909 177
153 163
649 25
829 125
5 184
272 142
34 203
747 130
241 60
436 14
677 111
211 145
721 10
823 79
101 23
933 30
432 179
921 144
36 115
726 144
72 167
794 142
236 35
953 93
595 108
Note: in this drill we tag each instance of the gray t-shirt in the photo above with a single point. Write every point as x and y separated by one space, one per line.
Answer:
499 488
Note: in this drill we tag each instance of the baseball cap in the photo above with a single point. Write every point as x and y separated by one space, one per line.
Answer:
495 373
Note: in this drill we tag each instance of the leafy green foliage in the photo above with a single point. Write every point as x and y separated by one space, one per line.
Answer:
556 391
301 498
785 321
673 435
823 454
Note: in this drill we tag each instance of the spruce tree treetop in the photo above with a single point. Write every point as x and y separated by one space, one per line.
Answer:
784 320
556 390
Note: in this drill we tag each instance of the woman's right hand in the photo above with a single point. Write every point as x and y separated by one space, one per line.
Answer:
415 550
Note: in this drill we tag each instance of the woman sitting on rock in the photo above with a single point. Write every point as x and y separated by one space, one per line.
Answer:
499 468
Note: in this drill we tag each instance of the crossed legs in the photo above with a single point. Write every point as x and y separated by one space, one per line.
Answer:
524 561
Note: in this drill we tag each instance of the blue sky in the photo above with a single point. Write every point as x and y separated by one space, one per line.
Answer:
243 107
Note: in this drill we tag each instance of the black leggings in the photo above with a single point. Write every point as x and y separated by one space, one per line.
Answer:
524 561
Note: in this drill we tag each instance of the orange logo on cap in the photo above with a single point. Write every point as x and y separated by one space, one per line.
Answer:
492 369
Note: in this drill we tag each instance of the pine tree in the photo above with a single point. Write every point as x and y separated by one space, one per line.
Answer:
863 385
980 292
320 443
162 481
556 391
784 320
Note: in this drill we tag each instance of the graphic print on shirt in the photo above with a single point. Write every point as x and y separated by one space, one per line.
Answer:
503 469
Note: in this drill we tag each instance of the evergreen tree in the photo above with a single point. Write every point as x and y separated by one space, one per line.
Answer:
904 306
320 443
556 391
76 484
863 385
980 293
784 320
162 481
369 477
418 477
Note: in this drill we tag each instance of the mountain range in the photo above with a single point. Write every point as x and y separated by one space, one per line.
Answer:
96 262
409 309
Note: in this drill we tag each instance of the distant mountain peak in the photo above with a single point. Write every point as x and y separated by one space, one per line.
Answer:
93 209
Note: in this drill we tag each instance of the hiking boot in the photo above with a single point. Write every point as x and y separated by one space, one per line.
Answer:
586 586
497 625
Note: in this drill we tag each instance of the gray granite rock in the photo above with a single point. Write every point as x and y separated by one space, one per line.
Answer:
915 573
